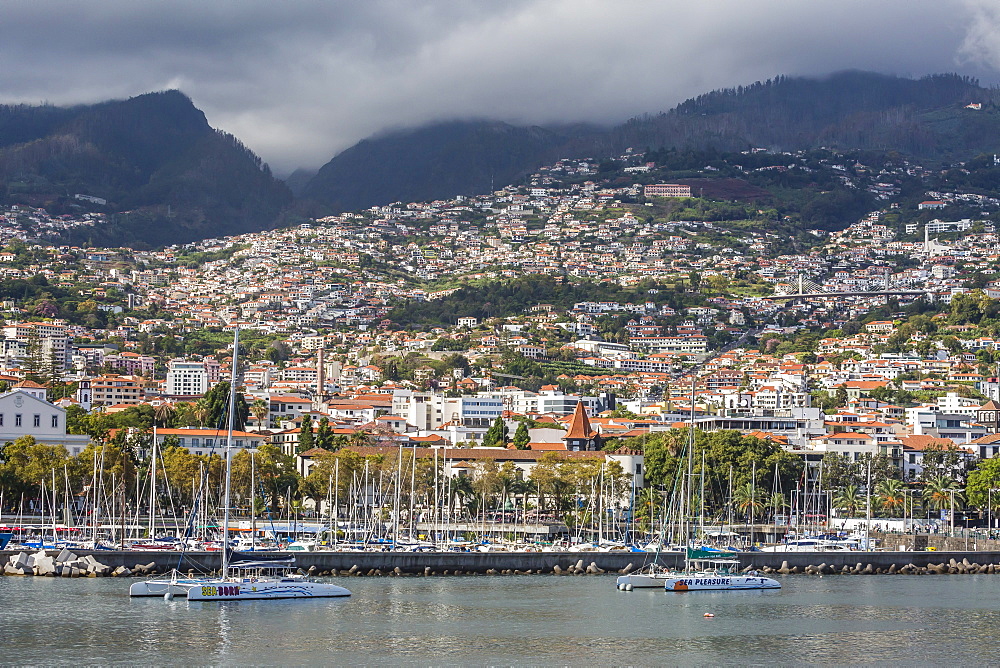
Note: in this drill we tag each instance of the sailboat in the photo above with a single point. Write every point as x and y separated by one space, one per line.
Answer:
242 581
711 569
704 569
654 575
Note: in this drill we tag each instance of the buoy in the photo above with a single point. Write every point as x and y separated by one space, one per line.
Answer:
169 596
628 587
709 614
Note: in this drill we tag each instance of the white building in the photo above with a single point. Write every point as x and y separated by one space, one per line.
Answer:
24 414
186 378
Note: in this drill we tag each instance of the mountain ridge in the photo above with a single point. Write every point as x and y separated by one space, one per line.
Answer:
168 177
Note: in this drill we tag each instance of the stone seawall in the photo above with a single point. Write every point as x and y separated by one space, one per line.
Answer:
523 562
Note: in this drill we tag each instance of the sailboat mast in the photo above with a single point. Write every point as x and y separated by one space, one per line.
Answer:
229 455
687 491
253 501
335 523
152 489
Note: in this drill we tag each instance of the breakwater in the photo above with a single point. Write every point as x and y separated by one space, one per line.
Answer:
456 563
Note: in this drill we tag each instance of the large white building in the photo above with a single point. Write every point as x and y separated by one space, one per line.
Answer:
186 378
25 412
425 410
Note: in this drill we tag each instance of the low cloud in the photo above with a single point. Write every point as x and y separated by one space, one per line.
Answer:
300 81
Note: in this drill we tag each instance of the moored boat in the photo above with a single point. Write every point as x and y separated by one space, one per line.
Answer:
705 572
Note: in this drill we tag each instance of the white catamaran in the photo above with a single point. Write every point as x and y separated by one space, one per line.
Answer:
255 580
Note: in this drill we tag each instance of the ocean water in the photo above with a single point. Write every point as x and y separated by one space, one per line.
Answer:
512 620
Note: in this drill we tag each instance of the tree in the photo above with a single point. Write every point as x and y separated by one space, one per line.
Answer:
28 465
891 496
777 503
163 413
34 362
748 499
216 404
496 435
279 352
305 434
181 469
941 492
324 435
521 437
848 499
986 477
260 411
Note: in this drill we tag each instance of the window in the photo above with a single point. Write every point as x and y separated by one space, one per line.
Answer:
17 420
1 419
37 422
55 421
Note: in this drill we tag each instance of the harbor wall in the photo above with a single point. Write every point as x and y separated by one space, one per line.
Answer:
545 562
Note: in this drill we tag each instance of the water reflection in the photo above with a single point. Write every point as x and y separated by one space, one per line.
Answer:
512 620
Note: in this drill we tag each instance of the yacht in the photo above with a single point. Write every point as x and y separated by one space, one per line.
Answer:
241 581
815 544
717 574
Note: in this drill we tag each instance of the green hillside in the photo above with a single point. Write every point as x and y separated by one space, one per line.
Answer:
167 176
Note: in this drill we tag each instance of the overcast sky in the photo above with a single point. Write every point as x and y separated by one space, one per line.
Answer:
300 80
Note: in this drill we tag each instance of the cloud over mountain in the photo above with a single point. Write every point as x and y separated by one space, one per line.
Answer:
300 81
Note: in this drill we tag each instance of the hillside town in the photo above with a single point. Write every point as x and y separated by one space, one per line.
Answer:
877 340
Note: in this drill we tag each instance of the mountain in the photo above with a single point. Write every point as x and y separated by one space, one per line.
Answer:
437 161
167 176
924 118
163 175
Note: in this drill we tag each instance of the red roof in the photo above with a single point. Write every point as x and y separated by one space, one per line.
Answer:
579 426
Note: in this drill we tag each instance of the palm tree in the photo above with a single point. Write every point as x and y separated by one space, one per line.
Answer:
891 495
848 499
777 502
461 487
163 413
201 413
260 411
359 438
941 492
748 498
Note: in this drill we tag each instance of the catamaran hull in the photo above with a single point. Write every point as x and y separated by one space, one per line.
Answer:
239 591
710 582
642 580
161 588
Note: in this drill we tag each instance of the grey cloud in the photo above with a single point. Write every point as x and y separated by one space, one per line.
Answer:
298 81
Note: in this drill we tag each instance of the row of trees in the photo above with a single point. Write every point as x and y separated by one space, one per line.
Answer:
119 471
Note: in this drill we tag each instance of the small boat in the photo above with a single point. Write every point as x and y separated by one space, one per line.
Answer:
815 544
251 580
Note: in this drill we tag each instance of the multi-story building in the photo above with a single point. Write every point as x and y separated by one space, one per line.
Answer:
666 190
186 378
53 341
113 389
25 412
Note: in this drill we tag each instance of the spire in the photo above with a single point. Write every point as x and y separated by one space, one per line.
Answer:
579 426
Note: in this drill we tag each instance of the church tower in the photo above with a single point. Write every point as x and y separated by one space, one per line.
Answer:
581 435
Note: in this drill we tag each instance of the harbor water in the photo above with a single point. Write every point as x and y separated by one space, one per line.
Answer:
512 620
